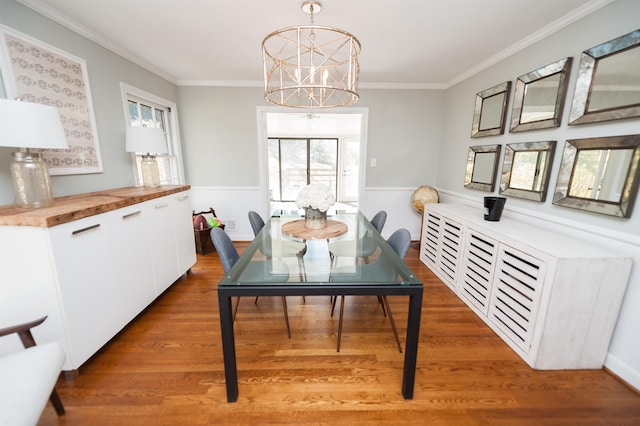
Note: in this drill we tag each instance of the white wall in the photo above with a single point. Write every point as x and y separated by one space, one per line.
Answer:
106 70
220 139
614 20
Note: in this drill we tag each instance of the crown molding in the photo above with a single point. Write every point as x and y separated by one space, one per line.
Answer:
546 31
220 83
74 26
239 83
403 86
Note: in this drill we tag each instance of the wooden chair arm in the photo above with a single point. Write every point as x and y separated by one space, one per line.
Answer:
24 331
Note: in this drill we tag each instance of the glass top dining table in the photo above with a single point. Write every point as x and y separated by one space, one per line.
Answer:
349 257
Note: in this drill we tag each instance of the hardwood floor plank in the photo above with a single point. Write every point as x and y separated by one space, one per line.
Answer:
166 367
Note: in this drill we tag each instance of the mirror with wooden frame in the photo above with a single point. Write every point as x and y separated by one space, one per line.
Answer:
490 111
608 81
526 168
482 167
600 175
539 97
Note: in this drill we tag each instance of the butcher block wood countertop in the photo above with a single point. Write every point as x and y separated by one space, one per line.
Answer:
74 207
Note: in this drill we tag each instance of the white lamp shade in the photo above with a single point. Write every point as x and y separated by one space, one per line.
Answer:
146 139
29 125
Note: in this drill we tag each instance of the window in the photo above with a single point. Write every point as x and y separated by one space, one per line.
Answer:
145 109
295 163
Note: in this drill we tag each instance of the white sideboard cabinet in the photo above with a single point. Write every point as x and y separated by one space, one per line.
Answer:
553 299
91 263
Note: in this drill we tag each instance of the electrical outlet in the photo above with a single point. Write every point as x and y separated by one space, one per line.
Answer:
229 224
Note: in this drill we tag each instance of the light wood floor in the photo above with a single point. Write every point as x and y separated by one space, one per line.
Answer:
165 368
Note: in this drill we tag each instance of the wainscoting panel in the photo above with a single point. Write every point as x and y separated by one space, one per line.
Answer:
233 203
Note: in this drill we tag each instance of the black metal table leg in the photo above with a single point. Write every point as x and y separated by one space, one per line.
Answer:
411 349
228 347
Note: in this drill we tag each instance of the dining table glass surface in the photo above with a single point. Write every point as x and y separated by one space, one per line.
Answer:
358 256
349 257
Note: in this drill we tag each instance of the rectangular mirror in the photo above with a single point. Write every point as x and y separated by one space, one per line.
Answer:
482 167
608 81
526 168
600 175
539 97
490 111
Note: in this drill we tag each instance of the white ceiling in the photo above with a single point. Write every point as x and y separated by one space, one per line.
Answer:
405 43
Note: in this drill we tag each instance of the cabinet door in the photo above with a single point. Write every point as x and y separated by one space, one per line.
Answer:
183 223
162 241
450 252
130 238
431 223
480 253
441 247
518 282
86 280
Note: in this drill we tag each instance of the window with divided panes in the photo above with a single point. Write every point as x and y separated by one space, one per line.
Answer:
143 112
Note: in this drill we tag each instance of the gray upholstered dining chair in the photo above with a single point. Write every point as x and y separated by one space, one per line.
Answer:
364 247
287 248
256 221
229 256
399 242
29 377
378 220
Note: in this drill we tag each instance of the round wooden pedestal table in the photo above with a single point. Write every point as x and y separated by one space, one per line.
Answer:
297 229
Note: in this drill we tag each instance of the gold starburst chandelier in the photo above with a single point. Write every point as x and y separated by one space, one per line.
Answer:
310 66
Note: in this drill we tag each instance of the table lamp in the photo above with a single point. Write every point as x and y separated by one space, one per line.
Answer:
149 140
26 125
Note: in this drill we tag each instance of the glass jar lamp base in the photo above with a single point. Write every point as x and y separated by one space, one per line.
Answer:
31 182
150 171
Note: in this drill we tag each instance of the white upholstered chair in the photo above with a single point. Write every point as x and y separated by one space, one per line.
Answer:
28 378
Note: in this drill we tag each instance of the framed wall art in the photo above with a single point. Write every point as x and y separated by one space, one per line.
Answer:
36 72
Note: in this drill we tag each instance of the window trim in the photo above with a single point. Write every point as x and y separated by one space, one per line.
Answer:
175 146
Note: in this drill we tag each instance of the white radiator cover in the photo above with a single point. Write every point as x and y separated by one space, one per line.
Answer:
553 299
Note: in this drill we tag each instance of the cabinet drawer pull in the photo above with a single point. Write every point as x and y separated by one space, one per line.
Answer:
159 206
130 215
184 197
88 228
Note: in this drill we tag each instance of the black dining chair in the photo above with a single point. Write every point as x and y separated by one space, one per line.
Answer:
229 256
399 242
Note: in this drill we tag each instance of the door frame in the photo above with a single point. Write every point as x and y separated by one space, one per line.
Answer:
263 167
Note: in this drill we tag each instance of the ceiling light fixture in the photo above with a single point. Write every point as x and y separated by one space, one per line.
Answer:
310 66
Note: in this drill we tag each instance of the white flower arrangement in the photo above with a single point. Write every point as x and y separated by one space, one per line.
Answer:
315 196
